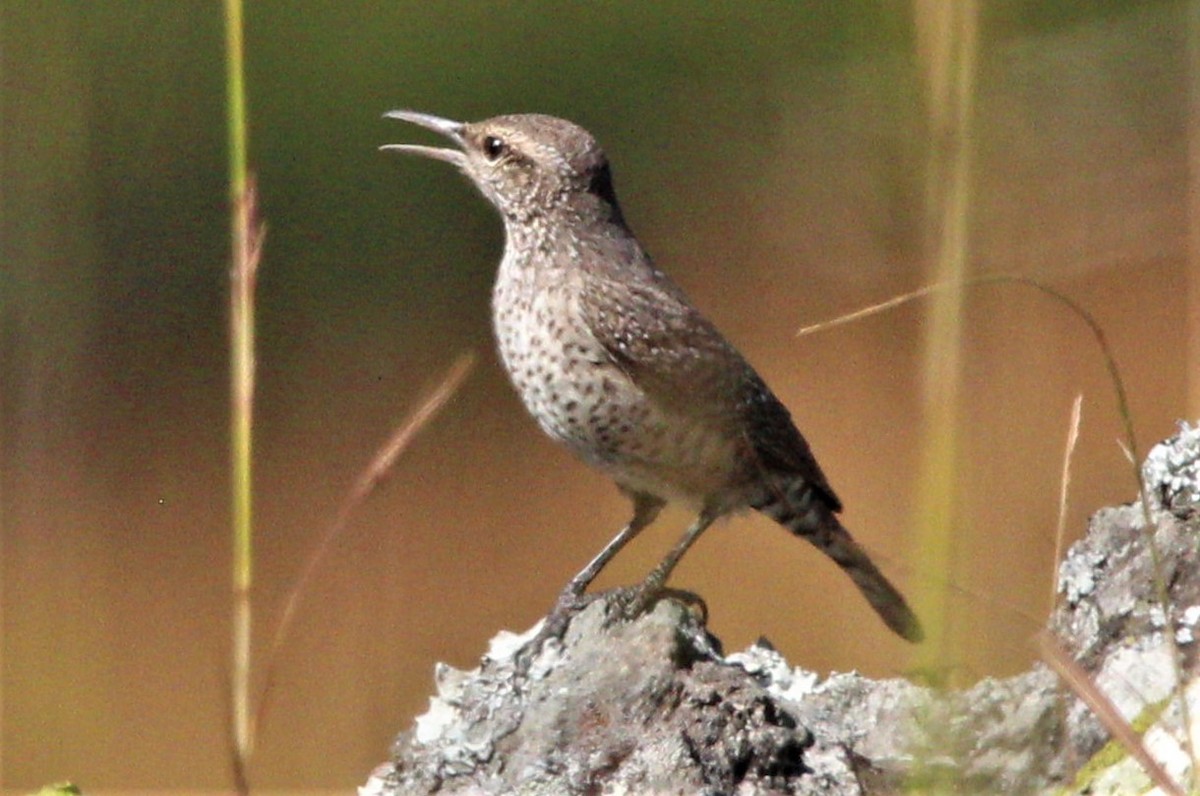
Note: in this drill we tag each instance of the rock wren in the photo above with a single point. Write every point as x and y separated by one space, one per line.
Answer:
612 359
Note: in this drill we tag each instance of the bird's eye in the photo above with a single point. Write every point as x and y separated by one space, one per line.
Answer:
493 147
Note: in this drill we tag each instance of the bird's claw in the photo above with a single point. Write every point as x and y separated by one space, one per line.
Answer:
626 605
554 626
633 601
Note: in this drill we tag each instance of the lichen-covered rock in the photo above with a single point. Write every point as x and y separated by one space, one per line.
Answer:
653 706
647 706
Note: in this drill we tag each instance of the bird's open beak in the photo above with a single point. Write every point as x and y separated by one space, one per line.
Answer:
452 130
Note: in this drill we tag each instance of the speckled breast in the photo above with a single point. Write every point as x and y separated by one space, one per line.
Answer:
581 397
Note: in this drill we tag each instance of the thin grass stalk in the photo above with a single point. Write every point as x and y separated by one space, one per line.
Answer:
1193 277
245 246
1193 285
946 41
1193 271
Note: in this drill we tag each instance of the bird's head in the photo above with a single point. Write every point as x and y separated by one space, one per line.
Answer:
528 165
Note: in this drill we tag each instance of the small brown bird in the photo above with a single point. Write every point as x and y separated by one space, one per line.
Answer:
612 359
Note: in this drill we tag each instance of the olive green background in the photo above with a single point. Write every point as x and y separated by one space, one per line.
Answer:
769 155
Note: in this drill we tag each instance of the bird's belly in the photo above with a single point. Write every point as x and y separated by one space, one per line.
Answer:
581 398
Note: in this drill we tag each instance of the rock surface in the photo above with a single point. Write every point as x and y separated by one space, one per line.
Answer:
653 706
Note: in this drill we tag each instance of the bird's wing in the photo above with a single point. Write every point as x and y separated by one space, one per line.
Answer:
678 358
661 342
779 444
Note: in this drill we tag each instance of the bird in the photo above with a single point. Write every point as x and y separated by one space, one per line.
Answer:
615 362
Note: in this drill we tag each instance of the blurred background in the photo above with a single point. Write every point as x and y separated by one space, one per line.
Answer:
771 156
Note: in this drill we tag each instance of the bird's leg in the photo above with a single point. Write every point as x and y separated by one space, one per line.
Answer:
639 598
645 509
571 599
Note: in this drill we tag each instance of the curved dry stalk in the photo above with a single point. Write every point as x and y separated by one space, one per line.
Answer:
1123 411
362 488
989 279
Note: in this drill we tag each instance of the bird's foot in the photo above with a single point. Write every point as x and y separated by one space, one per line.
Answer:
569 603
633 601
626 604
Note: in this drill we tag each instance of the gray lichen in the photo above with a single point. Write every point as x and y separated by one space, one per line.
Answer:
1172 472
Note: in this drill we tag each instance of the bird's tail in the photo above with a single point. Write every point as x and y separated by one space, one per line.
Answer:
805 513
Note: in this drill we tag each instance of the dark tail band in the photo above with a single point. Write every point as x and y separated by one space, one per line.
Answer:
803 513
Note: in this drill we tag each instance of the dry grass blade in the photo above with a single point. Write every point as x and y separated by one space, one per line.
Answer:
1060 528
873 309
370 478
387 455
1083 686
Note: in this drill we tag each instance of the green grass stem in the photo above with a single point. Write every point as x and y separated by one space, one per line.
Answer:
245 240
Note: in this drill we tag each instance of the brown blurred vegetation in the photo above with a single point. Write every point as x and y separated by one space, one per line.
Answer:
770 158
